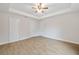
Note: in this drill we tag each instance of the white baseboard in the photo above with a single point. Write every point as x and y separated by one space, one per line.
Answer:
23 38
34 35
56 38
26 37
3 43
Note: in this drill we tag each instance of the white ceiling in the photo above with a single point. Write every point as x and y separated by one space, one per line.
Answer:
53 9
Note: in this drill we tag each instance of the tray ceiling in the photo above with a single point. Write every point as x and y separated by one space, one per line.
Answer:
53 9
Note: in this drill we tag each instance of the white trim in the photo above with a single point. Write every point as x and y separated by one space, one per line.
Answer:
56 13
65 40
48 15
22 13
42 36
19 39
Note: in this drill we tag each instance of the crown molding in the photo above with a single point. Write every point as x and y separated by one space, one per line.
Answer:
56 13
12 10
39 18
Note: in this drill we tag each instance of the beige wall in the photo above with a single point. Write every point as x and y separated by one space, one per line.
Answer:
4 28
14 27
64 26
22 27
4 23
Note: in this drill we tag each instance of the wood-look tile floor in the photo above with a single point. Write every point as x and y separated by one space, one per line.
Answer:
39 46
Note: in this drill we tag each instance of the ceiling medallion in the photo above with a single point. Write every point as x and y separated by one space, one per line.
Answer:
39 8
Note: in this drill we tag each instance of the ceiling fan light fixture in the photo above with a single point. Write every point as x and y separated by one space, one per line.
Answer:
39 7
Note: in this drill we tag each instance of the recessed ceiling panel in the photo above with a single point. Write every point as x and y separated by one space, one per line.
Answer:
52 8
